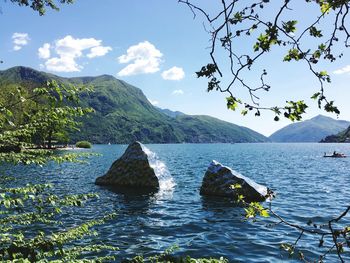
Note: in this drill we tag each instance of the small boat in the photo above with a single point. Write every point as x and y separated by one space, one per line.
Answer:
335 155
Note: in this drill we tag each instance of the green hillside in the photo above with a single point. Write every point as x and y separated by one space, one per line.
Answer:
171 113
343 136
313 130
201 128
123 114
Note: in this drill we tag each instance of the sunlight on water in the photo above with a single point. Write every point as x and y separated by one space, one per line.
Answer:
166 181
307 187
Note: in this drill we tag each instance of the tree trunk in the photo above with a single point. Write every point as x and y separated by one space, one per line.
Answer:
49 139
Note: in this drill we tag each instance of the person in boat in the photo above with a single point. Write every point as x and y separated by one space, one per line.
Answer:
336 154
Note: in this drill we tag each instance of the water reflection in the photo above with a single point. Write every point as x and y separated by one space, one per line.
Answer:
213 203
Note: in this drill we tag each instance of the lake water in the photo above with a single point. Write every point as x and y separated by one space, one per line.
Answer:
308 186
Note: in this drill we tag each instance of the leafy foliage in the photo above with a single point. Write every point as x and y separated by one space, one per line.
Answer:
41 5
24 207
238 21
37 117
32 204
57 116
167 257
333 236
24 115
83 144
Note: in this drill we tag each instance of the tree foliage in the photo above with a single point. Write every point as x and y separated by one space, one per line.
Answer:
26 118
238 21
40 6
37 118
83 144
24 207
48 111
332 236
23 117
33 118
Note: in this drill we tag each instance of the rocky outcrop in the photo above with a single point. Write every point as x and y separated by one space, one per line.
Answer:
132 170
218 181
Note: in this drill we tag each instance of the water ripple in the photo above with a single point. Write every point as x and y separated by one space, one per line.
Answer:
307 186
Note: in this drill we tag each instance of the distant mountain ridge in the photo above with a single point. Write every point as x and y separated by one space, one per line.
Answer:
170 113
313 130
124 114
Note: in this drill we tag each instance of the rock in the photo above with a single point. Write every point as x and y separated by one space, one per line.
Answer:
218 180
132 170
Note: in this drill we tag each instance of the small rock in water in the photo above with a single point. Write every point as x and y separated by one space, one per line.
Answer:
131 170
219 179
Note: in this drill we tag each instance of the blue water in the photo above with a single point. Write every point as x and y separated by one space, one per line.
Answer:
308 186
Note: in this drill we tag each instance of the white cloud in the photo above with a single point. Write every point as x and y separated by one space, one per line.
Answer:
178 92
44 51
98 51
62 64
174 73
144 58
153 102
343 70
68 49
20 40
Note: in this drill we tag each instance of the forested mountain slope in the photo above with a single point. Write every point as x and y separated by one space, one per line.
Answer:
123 113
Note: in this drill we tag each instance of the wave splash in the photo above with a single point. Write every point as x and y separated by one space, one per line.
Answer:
166 181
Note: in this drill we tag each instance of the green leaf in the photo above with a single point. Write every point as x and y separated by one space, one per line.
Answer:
289 26
315 32
7 203
325 7
232 103
264 213
236 186
315 96
323 73
244 112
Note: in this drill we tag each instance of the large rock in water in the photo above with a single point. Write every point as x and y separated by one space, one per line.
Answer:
132 170
218 181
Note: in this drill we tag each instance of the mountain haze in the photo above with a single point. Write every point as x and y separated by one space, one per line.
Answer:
313 130
124 114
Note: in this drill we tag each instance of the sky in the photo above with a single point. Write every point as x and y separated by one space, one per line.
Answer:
157 46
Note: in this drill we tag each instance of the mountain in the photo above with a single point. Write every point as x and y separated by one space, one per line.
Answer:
123 114
313 130
170 113
343 136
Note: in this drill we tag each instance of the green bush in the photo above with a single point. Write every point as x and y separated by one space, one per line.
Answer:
83 144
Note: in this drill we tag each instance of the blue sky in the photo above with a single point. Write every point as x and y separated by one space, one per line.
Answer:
157 46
